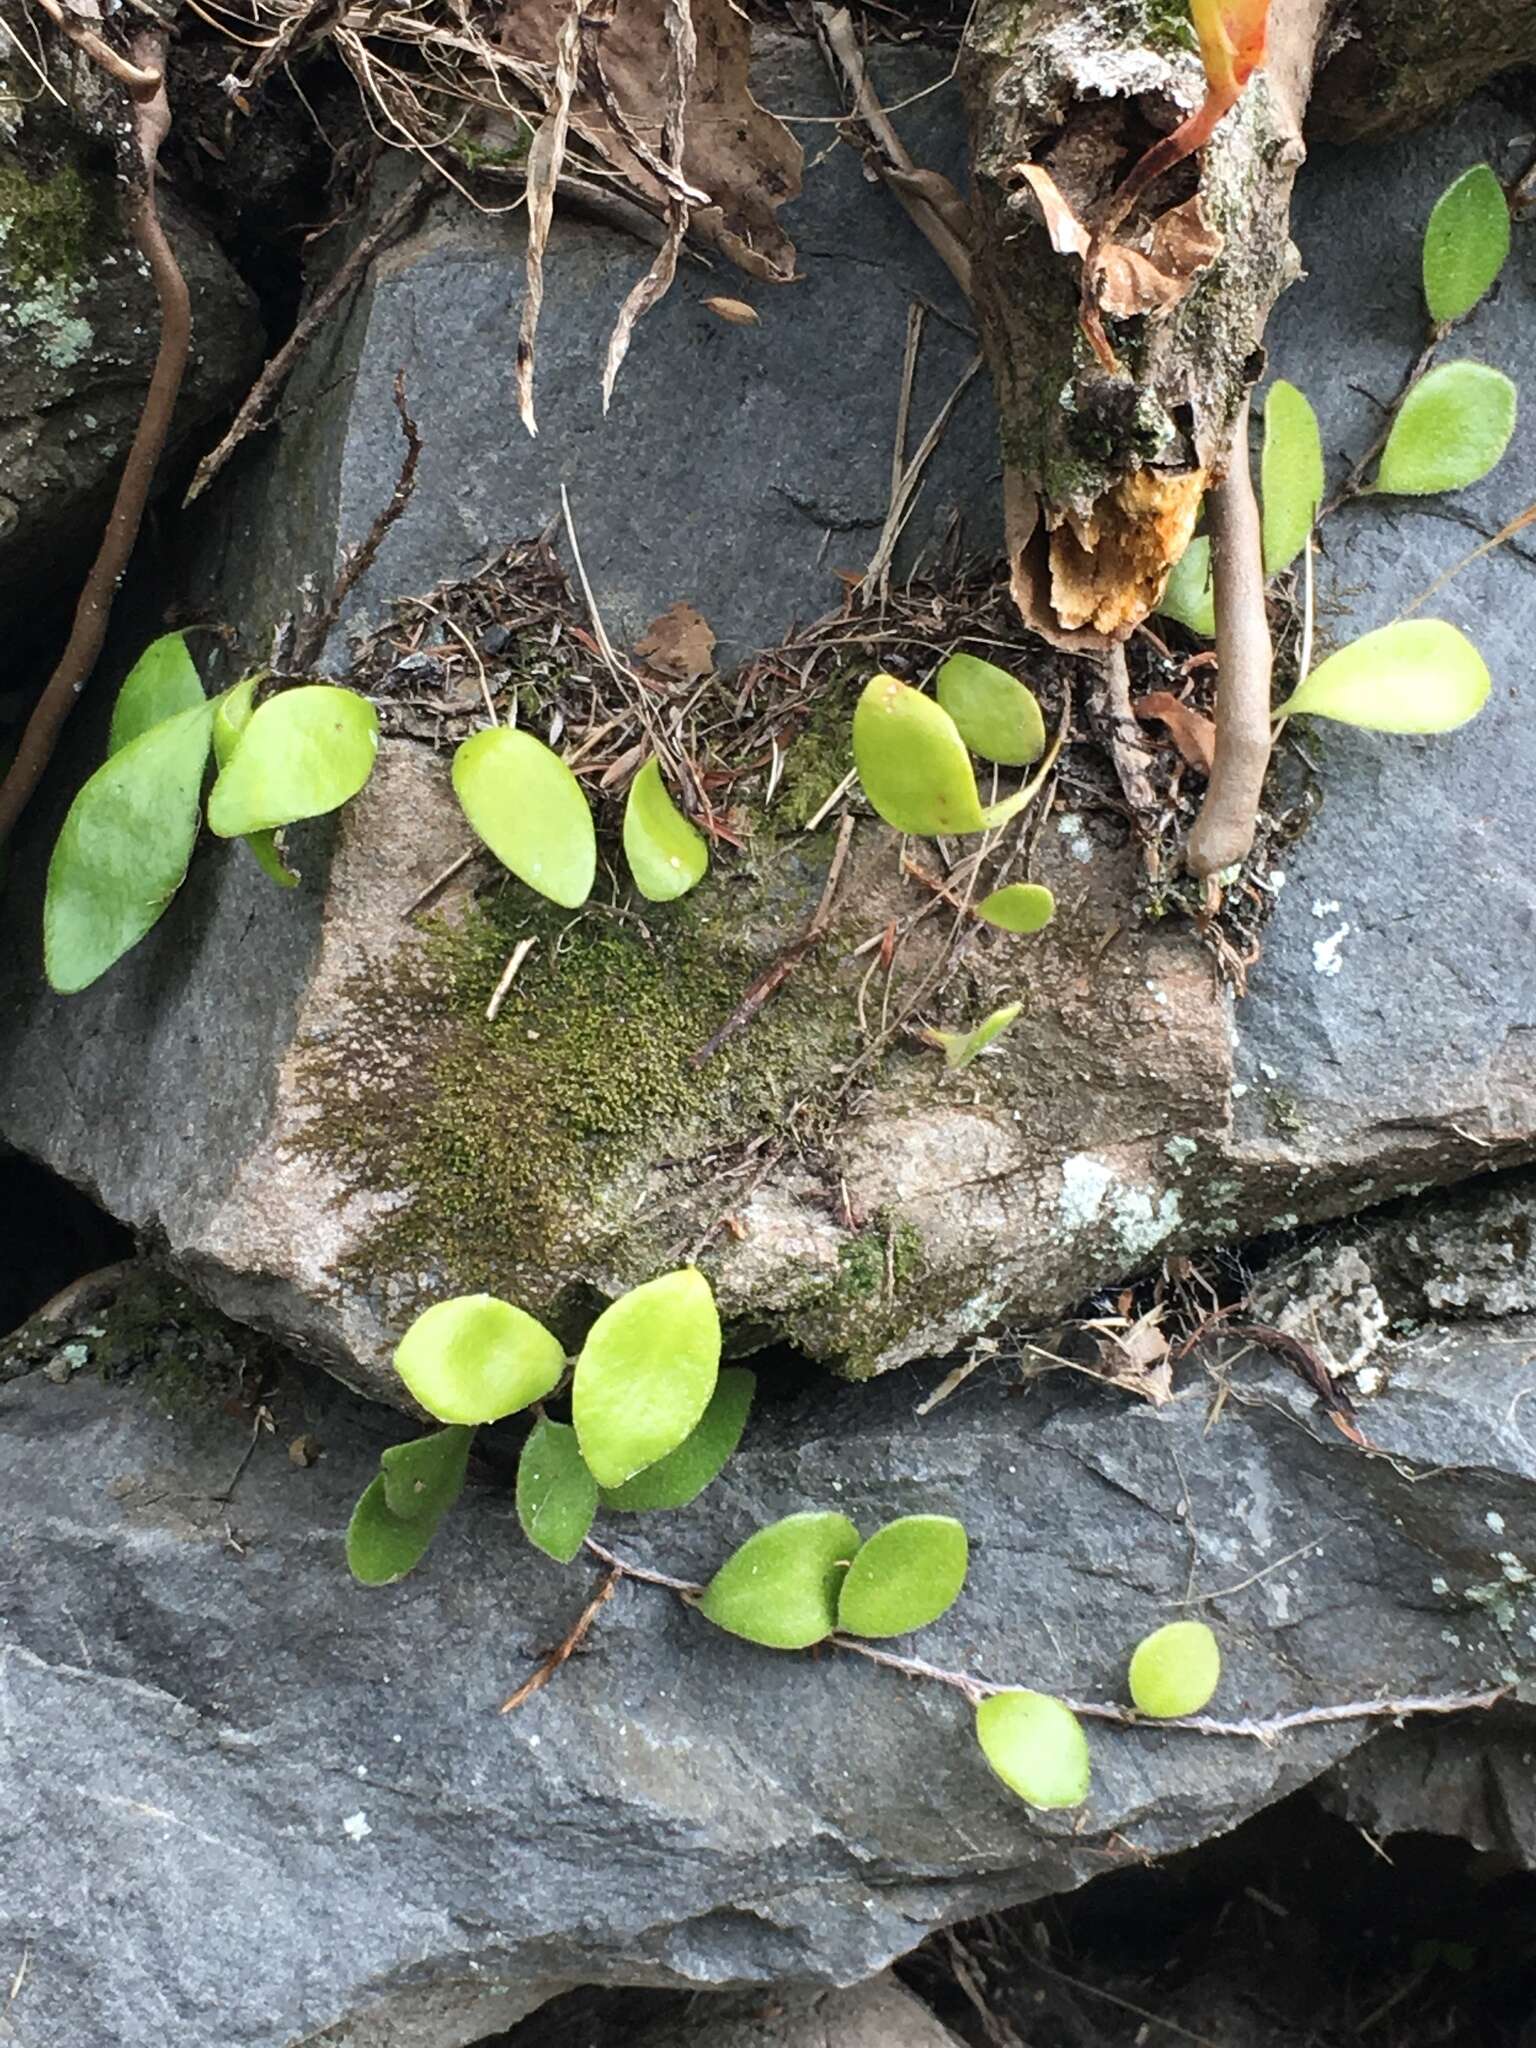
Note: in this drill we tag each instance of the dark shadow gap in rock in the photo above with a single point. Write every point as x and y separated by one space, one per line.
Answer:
51 1235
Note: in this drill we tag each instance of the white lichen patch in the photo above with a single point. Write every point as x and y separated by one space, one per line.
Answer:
1139 1218
1075 833
1326 957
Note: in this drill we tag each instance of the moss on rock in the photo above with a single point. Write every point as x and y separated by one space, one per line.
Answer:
519 1148
54 228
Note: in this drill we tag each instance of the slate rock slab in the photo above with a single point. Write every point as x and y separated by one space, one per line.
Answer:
249 1804
318 1124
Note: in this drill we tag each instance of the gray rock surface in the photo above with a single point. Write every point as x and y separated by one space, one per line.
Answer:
1117 1122
79 331
248 1802
1395 1005
739 468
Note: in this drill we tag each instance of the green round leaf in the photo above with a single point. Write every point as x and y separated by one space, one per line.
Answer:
1175 1670
912 762
666 856
1188 595
475 1359
1036 1746
302 754
161 682
780 1588
681 1476
1020 907
961 1047
646 1374
231 715
426 1476
528 808
556 1494
1465 244
994 713
1452 428
123 849
906 1575
1421 675
381 1547
1292 473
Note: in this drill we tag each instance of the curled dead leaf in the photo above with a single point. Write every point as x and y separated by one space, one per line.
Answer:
1134 1355
1068 235
680 644
734 312
1191 731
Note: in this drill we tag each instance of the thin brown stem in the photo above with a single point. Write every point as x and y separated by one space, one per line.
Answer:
152 121
277 370
975 1690
143 80
1354 484
1223 833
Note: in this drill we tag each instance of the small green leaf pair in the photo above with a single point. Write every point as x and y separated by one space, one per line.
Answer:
1036 1743
126 843
530 810
653 1418
914 754
798 1580
644 1377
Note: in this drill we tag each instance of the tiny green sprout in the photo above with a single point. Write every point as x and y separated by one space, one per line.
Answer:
994 713
161 682
667 856
426 1476
233 712
556 1494
912 761
780 1589
382 1546
528 807
905 1576
1291 469
1018 907
1175 1670
124 848
961 1047
682 1475
303 753
1450 431
1037 1747
476 1359
1419 675
1188 595
1466 244
646 1375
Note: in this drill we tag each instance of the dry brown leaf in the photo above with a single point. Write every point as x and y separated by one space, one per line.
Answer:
681 643
1135 1356
742 157
682 56
1068 235
734 312
546 153
1192 732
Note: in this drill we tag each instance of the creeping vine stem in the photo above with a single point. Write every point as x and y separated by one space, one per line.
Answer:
144 78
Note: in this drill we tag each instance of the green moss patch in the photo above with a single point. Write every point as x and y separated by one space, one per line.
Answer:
54 229
522 1149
